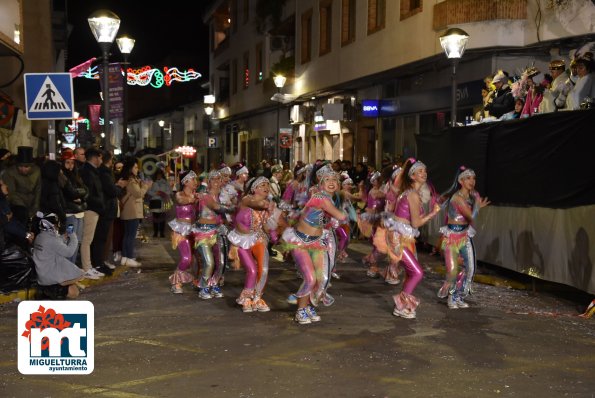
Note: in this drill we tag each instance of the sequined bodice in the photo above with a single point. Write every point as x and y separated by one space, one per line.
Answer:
312 214
376 204
186 211
205 211
250 219
403 211
454 212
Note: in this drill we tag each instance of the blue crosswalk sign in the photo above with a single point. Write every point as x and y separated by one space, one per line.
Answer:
49 96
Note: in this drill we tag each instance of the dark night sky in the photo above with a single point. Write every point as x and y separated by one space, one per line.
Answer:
172 29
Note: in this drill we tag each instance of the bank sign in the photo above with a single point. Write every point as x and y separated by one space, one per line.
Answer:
468 94
56 337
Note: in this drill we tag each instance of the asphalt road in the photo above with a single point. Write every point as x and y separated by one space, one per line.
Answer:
151 343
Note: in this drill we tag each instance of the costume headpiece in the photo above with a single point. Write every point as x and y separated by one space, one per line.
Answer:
397 170
214 174
276 169
326 172
302 170
530 71
374 176
242 170
466 173
347 181
258 181
191 175
225 170
418 164
558 64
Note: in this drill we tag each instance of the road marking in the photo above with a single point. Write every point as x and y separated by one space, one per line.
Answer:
154 379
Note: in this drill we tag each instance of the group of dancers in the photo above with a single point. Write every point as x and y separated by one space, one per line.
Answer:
233 222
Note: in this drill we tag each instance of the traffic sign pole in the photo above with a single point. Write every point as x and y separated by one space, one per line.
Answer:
52 139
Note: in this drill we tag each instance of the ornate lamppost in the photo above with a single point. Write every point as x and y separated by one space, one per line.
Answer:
125 44
104 25
454 41
209 101
279 83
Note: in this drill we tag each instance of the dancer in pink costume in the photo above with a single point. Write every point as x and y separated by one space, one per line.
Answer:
255 218
463 206
409 216
369 220
206 242
182 227
386 240
309 245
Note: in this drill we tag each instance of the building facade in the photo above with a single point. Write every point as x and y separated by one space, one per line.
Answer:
365 76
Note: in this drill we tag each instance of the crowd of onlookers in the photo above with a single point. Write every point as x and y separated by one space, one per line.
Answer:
79 213
565 87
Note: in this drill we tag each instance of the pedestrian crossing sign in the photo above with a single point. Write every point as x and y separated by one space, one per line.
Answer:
49 96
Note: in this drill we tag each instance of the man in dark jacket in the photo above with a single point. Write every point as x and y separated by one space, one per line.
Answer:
111 192
502 98
95 207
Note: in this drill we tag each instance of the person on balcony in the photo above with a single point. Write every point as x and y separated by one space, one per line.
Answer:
501 100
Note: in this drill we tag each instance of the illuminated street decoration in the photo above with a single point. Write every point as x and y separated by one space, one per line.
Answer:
186 151
149 76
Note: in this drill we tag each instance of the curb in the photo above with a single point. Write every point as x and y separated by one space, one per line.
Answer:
30 294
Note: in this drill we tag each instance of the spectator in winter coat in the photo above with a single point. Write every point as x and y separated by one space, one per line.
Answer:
56 275
24 186
76 198
502 100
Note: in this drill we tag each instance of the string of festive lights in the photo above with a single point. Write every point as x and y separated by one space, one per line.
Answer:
149 76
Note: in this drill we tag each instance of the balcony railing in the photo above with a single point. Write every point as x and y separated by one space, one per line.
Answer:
452 12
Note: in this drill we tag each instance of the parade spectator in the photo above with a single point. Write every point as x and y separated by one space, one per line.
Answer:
547 104
585 85
277 174
11 230
159 195
79 157
95 207
534 93
4 159
53 182
24 186
56 275
558 72
103 230
132 210
516 113
360 173
75 199
502 100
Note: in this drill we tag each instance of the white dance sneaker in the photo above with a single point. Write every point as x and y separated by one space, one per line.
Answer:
129 262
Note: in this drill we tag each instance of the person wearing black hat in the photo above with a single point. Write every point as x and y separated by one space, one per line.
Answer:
24 185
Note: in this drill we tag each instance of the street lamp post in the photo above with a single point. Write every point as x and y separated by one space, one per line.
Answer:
125 44
279 83
162 140
454 41
105 24
209 101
